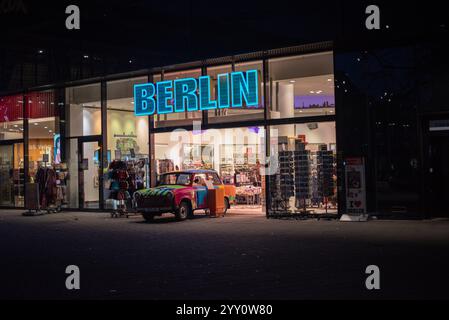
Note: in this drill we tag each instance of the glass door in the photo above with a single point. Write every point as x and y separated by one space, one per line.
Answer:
89 174
12 179
83 162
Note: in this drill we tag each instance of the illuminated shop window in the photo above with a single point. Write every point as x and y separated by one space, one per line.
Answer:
302 86
177 118
83 111
305 179
237 112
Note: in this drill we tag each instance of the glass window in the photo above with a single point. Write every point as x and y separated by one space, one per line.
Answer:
175 179
127 134
304 177
11 117
177 119
128 141
83 110
237 155
44 139
12 179
302 86
214 178
244 113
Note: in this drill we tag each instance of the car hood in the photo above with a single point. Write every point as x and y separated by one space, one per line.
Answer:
163 190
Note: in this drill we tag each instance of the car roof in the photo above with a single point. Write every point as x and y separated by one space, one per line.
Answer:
192 171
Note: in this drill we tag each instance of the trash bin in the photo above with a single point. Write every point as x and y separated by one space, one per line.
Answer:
216 202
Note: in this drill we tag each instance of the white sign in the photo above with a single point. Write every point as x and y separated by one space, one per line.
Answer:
355 186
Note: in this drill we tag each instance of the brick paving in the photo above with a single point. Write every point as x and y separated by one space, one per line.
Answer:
236 257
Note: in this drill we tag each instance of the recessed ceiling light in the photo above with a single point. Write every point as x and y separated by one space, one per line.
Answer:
312 91
50 131
36 124
329 80
15 126
292 81
45 127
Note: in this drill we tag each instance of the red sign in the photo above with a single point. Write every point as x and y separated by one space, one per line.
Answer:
39 105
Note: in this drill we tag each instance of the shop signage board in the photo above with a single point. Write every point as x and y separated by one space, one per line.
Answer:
355 190
234 90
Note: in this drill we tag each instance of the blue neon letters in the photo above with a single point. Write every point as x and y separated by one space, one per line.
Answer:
189 94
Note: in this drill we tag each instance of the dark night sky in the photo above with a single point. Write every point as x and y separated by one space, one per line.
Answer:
155 33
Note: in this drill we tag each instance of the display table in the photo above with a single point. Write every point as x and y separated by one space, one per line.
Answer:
248 195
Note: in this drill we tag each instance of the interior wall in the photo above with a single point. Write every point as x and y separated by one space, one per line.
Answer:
126 123
84 121
325 133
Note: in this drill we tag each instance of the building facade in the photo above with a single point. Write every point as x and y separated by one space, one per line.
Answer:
319 108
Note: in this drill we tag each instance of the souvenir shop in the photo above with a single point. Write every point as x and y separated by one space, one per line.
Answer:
88 146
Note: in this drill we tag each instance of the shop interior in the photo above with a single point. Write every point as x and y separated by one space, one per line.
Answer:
305 181
236 154
127 139
12 177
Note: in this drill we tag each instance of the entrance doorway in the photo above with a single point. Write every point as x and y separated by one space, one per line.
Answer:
12 176
438 173
83 161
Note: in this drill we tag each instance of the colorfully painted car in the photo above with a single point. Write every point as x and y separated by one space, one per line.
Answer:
180 193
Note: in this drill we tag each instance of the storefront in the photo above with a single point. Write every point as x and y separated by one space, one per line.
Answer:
276 142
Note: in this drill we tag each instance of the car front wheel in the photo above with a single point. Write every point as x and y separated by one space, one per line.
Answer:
184 211
148 217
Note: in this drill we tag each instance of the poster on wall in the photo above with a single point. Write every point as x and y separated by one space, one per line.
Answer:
57 148
355 190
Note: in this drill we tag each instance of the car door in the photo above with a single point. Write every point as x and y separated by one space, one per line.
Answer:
200 191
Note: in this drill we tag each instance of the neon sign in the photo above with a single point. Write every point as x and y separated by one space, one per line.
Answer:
189 94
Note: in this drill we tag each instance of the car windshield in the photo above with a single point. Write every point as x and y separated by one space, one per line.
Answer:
175 179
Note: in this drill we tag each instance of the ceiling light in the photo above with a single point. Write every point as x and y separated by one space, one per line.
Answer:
16 126
312 91
50 131
329 80
45 127
36 124
319 91
292 81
